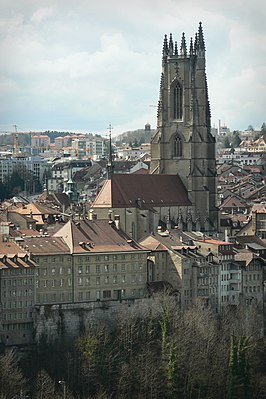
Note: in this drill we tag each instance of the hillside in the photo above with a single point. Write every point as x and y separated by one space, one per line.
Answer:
138 136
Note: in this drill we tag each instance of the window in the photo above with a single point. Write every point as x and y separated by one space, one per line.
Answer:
106 279
107 294
115 268
80 281
114 279
98 269
123 267
88 295
106 268
98 280
80 269
87 268
177 100
87 281
177 146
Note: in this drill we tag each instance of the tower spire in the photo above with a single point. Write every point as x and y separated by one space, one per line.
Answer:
165 46
171 45
201 38
183 48
191 52
110 165
176 49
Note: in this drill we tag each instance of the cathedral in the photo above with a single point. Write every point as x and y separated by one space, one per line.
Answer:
181 187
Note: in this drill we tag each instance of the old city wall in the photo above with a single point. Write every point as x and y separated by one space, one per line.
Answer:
71 320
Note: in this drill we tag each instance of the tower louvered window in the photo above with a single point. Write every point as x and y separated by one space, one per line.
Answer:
177 97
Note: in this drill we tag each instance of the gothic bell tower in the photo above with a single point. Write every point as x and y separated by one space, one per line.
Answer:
183 143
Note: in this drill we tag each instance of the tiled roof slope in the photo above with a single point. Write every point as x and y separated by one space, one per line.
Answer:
124 190
96 236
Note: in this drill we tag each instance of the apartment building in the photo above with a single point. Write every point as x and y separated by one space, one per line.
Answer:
17 294
33 164
88 260
230 273
175 259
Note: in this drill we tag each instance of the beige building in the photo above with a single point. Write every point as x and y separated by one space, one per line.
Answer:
17 295
175 259
88 260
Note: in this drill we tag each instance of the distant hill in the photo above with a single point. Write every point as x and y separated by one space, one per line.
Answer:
135 137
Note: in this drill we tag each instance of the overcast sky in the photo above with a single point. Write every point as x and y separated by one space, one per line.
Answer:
80 65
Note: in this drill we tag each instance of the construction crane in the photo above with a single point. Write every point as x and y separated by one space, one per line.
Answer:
15 141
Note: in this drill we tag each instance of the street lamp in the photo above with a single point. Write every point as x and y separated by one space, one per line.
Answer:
62 382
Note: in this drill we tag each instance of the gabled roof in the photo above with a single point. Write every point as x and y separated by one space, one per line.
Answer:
37 209
233 202
46 245
90 236
125 190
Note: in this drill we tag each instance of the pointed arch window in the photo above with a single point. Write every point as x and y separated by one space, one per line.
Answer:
177 146
177 101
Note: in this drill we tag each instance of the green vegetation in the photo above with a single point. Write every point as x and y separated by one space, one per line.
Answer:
19 180
152 351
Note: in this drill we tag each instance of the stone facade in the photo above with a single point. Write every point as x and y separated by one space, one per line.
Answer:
183 143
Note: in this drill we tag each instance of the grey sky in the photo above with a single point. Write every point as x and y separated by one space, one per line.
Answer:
80 65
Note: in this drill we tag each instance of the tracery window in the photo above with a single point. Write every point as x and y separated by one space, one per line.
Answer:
177 101
177 146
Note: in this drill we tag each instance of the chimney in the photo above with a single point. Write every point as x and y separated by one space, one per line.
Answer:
117 221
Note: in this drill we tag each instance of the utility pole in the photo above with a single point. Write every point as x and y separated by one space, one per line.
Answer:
63 383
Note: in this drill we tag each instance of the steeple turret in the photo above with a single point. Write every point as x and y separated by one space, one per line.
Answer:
183 48
191 50
171 45
176 49
201 38
165 46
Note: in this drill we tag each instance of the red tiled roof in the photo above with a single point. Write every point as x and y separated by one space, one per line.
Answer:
124 190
